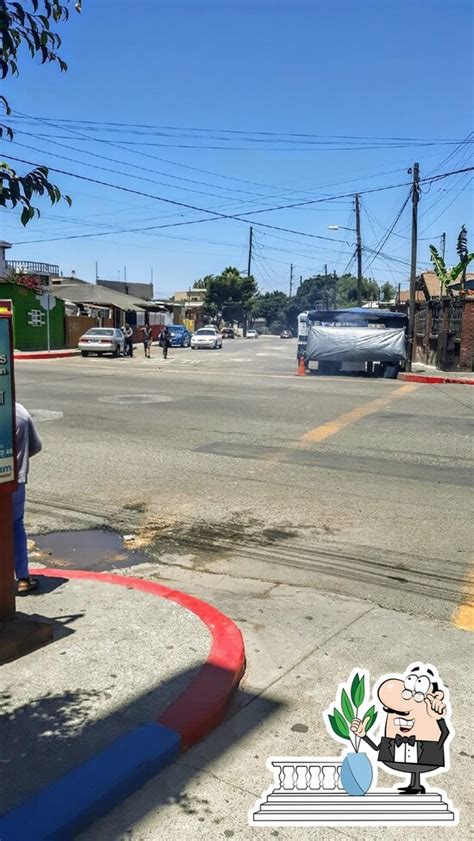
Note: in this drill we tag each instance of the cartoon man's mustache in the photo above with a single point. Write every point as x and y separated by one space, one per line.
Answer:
403 713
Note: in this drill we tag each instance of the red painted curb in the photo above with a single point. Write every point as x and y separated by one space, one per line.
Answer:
422 378
201 706
44 355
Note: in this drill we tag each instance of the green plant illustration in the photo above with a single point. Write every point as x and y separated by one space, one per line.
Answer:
351 699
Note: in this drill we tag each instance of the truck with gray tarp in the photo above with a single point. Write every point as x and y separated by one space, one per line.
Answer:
354 339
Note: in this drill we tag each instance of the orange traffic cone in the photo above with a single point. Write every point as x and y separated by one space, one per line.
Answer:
301 372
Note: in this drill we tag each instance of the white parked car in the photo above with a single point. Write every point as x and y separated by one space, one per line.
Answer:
206 337
102 340
252 334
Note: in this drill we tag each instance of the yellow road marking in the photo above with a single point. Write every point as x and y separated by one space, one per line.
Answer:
320 433
326 430
463 616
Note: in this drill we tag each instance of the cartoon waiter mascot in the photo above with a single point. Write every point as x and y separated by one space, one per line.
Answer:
415 729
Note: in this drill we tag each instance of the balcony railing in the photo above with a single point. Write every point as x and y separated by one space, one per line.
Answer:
301 775
28 267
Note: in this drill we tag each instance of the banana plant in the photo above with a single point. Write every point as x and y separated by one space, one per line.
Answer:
447 276
351 699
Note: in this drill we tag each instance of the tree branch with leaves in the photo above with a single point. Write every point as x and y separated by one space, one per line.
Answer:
28 24
447 276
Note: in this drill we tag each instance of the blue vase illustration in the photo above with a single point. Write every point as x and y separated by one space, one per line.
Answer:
356 774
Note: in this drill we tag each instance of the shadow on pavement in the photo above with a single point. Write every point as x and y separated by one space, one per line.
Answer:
48 585
40 741
247 713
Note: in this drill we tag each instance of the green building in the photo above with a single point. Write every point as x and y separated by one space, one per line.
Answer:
30 316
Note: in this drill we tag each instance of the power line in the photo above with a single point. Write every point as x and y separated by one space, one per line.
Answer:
387 236
244 131
215 213
187 166
433 221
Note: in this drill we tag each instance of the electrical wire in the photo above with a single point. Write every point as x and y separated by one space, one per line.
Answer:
388 234
215 213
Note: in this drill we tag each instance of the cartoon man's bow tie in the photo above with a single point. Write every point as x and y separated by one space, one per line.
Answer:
408 740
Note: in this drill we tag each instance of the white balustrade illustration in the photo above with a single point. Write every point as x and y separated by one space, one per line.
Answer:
308 776
308 791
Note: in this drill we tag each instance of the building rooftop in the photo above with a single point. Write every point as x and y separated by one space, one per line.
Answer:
102 296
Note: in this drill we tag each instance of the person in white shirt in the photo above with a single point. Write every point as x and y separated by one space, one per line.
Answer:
28 443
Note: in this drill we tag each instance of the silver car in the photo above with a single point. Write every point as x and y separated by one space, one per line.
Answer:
206 337
102 340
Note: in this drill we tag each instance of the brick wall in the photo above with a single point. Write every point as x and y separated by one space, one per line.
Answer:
466 355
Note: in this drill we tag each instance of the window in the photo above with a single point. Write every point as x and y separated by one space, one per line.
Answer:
36 318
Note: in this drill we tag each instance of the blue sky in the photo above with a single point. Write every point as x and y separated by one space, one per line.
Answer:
326 71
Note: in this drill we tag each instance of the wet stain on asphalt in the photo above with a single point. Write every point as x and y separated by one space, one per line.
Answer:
300 728
207 541
203 542
92 549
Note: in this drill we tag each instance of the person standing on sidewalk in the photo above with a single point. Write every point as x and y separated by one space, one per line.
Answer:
28 444
165 341
128 340
147 337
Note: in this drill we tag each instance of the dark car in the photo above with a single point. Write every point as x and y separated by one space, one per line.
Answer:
180 335
227 333
285 334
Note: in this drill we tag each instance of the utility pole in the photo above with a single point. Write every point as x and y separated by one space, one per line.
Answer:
249 272
358 250
125 274
291 279
326 290
249 264
96 271
415 197
443 245
301 279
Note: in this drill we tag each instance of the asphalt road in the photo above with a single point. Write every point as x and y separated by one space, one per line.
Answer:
329 517
210 452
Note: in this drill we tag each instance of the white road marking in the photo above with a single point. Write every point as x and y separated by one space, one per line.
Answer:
135 398
40 415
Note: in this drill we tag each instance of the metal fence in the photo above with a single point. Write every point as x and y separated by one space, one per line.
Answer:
29 267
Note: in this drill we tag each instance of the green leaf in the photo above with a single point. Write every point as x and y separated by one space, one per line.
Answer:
354 686
359 693
347 707
372 717
25 216
20 13
341 727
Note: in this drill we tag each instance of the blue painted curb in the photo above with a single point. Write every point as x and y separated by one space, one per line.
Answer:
66 807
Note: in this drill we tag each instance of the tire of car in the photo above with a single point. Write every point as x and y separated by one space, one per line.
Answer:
84 353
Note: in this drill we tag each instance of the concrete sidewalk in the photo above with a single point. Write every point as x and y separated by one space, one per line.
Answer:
119 658
421 373
151 674
295 662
